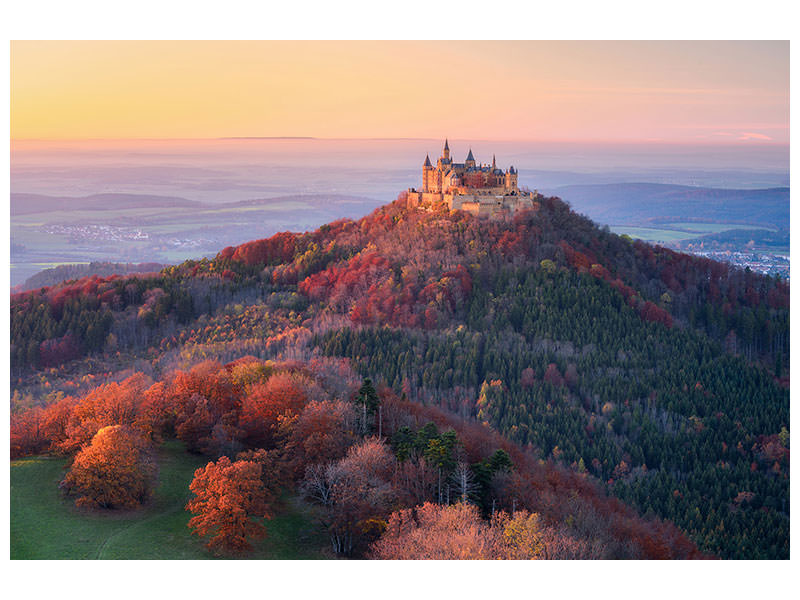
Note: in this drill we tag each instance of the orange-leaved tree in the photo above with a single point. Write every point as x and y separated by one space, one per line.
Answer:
117 470
109 404
230 500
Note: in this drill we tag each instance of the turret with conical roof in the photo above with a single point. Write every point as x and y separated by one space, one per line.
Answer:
470 162
427 174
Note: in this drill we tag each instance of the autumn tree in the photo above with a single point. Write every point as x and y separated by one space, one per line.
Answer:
230 500
275 472
435 532
267 405
26 432
355 491
117 470
199 401
195 423
457 532
109 404
323 431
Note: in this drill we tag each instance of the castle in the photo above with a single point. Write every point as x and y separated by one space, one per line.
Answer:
482 190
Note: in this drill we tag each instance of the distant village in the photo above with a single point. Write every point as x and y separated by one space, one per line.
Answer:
768 264
105 233
110 233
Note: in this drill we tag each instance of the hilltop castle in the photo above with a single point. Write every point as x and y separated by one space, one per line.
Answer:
482 190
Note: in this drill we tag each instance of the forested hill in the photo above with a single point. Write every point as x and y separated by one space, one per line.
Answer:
55 275
662 376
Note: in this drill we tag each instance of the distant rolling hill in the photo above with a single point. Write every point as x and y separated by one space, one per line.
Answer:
321 200
26 204
650 203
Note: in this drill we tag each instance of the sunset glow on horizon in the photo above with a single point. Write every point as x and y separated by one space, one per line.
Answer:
672 92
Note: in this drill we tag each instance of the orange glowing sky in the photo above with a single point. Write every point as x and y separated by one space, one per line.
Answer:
730 92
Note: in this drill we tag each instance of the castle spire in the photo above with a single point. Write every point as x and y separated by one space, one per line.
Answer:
469 156
494 162
446 145
427 161
446 151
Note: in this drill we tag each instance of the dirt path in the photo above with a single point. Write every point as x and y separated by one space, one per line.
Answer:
104 546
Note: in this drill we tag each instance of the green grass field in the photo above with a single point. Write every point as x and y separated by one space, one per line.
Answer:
44 525
712 227
649 234
683 231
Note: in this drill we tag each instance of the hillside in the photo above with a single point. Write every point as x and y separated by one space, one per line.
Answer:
61 273
623 367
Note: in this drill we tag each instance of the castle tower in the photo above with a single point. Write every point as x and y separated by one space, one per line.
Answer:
511 180
470 162
446 151
427 169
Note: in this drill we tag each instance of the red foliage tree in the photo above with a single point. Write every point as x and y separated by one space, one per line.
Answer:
552 375
230 500
203 399
651 312
117 470
322 432
55 421
279 248
109 404
268 405
56 351
27 433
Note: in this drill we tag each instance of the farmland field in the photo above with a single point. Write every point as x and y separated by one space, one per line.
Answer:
667 233
711 227
649 234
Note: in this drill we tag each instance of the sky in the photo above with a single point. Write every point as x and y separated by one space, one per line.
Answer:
733 93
